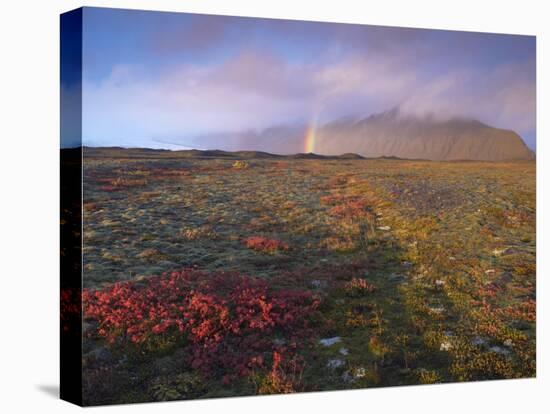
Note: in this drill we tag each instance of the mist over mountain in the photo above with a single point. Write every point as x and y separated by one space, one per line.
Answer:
390 134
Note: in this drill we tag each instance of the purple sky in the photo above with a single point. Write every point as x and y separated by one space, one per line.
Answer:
152 77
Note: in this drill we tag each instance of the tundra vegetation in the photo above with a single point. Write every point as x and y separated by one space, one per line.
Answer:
210 277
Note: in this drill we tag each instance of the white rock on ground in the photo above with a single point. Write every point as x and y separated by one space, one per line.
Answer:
330 341
360 372
335 363
478 341
437 309
499 350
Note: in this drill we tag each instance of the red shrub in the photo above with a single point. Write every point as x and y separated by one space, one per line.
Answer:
358 287
488 291
285 376
350 209
525 311
265 245
231 323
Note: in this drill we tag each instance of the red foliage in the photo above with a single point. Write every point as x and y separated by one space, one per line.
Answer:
358 287
488 291
346 207
231 322
263 244
285 376
525 311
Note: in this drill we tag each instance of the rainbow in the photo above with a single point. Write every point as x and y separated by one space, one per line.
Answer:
309 139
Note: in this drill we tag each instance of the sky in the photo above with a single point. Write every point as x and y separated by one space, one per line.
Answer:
152 79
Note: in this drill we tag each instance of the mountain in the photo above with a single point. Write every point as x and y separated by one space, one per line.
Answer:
392 134
387 134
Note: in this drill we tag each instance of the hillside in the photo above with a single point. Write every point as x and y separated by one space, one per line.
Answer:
388 134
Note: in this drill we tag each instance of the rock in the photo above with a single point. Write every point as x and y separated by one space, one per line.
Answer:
445 346
497 252
359 372
489 271
330 341
335 363
437 309
384 228
499 350
478 341
395 277
510 250
508 343
343 351
318 284
440 283
504 279
347 377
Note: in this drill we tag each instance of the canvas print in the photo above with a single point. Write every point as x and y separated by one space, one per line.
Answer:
260 206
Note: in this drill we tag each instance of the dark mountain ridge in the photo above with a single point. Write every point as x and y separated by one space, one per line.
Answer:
120 152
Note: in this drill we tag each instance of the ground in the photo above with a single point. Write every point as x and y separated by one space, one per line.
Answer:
352 273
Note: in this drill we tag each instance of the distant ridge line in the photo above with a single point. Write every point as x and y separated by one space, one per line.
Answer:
138 152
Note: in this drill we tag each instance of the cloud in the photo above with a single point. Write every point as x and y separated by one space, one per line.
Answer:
503 97
254 89
199 34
